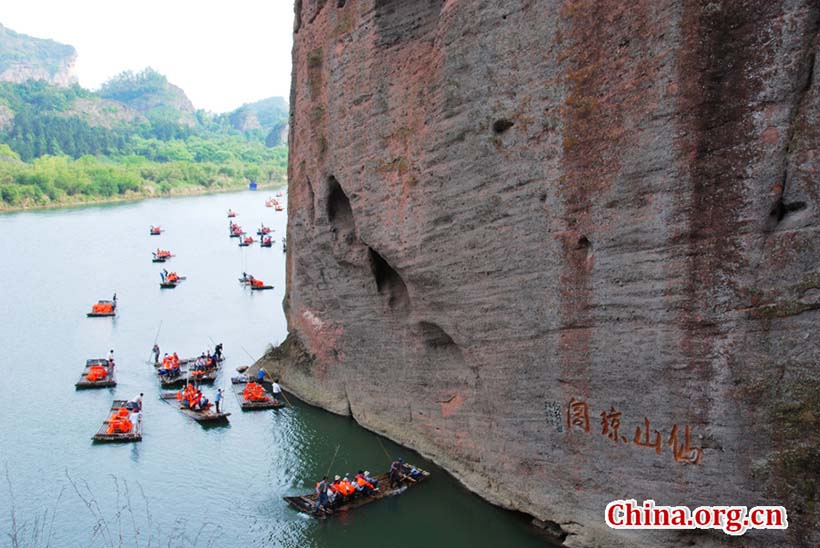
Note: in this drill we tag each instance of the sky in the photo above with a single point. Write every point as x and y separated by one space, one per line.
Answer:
222 53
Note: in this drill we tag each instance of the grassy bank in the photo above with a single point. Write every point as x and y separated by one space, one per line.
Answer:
81 201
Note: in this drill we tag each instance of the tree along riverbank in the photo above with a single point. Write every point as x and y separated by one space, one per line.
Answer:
178 192
57 181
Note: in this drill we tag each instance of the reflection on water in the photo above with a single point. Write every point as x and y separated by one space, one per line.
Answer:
183 485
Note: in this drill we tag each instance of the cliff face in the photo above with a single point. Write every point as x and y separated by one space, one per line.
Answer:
24 58
569 250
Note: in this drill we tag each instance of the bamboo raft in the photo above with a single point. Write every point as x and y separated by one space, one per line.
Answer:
102 434
238 389
206 416
208 377
186 361
107 382
185 376
307 503
104 314
172 380
260 287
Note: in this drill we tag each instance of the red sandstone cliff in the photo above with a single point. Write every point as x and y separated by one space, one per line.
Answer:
521 232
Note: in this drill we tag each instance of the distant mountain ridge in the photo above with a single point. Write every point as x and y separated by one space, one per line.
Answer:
139 135
44 111
269 117
24 57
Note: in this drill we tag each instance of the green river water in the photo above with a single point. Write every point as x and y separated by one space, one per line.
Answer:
183 485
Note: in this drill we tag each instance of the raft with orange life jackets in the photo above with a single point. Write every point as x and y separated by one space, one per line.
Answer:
348 497
119 425
258 285
246 242
231 213
253 396
161 255
155 230
185 400
96 375
103 308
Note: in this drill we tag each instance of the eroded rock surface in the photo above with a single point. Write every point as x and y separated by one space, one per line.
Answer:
569 250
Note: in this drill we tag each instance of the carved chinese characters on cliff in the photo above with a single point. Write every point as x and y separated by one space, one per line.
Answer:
680 442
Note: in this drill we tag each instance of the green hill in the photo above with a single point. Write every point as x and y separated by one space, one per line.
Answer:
138 136
149 93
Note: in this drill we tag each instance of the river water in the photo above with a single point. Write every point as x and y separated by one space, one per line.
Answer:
183 485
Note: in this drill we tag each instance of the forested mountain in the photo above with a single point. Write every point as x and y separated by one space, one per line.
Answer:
138 134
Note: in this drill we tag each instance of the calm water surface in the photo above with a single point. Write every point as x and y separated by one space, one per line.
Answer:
183 485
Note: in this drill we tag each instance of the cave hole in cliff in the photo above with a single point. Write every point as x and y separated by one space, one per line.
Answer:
339 213
502 125
388 281
780 209
434 336
341 3
583 243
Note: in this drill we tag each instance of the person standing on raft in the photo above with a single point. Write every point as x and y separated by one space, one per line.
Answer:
276 389
395 472
321 494
218 399
155 350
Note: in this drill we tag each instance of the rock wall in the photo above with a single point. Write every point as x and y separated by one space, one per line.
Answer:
568 250
24 57
62 75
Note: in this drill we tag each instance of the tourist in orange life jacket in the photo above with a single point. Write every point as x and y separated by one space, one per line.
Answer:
346 486
335 485
195 401
371 480
362 485
166 365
